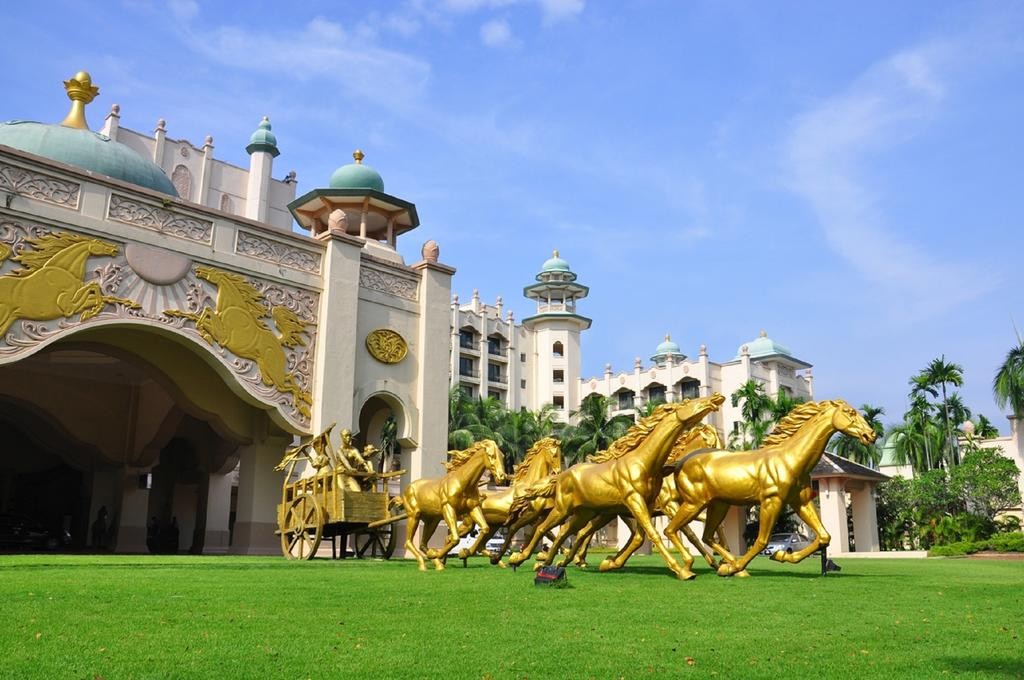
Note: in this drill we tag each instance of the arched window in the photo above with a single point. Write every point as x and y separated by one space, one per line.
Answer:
557 349
181 178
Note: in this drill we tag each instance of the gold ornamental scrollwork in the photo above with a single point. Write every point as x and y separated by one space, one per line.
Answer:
386 346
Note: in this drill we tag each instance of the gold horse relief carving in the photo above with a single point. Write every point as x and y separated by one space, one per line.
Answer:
237 324
50 283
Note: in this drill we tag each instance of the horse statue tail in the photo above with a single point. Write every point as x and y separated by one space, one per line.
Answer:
396 502
542 489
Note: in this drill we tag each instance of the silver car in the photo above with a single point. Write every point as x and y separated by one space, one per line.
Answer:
787 543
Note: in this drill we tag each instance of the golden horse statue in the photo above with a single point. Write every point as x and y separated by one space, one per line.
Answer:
543 459
628 482
49 285
702 436
450 498
773 476
237 324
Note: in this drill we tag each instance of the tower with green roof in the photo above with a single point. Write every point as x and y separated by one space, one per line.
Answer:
555 330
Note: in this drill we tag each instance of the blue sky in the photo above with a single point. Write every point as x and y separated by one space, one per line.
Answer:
848 179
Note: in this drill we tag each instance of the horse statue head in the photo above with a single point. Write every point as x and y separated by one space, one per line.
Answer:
542 459
690 408
495 461
849 421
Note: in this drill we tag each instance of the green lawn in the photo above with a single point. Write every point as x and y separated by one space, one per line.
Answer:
225 617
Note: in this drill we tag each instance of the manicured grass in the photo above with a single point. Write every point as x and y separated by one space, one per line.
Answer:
226 617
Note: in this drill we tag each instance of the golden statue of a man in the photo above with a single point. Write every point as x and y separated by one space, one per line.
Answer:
351 459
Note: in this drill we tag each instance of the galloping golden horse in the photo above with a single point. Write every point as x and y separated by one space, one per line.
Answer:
702 436
628 482
773 476
237 325
49 285
450 498
542 460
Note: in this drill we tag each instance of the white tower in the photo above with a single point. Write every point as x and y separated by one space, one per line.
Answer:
555 330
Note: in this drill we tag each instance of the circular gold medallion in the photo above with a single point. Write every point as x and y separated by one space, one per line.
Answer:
386 346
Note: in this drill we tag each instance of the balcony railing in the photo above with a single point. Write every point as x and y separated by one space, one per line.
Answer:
497 379
496 351
466 344
469 372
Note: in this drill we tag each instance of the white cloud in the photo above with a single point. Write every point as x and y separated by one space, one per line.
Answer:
322 49
497 33
183 10
829 153
559 10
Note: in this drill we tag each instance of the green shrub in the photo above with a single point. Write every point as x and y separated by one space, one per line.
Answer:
1013 542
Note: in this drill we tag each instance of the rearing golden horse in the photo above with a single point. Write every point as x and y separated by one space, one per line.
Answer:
626 483
450 498
237 325
49 285
773 476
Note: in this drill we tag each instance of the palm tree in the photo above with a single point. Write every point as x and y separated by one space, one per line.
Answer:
1008 386
648 408
594 431
865 454
519 430
782 404
959 412
940 373
756 411
984 429
470 420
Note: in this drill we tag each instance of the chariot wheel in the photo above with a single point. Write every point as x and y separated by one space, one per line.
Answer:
378 542
302 528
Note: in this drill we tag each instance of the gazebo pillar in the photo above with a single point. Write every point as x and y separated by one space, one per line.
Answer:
865 521
832 504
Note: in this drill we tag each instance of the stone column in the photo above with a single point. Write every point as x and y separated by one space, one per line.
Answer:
259 492
131 515
218 513
336 336
865 522
832 508
427 459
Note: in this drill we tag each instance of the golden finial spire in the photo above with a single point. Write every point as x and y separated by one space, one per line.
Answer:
80 91
667 337
555 254
358 155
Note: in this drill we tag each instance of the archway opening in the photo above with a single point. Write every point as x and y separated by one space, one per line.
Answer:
105 437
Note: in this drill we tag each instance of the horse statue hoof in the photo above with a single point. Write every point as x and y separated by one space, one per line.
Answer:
542 555
501 564
607 564
742 573
686 575
779 556
725 570
464 554
516 558
538 565
431 554
438 565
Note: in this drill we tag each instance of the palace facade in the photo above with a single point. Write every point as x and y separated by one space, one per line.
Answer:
162 326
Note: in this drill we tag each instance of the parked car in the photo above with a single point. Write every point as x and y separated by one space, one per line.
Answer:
786 543
18 532
495 543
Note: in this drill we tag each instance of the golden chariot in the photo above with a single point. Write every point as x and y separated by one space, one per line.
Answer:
336 502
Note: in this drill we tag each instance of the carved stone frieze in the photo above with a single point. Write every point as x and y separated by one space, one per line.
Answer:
276 367
148 216
381 280
253 245
39 186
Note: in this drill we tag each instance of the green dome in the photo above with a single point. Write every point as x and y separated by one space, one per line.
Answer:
87 150
357 176
667 347
555 264
764 346
263 139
